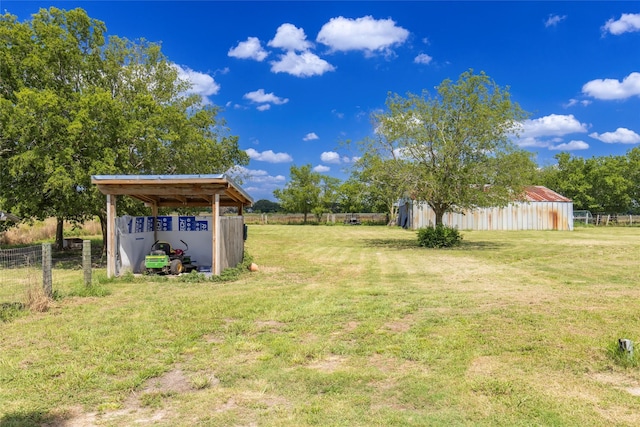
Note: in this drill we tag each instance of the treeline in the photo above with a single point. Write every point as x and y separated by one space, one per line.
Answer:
599 184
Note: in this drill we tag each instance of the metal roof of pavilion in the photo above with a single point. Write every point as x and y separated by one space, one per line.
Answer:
175 190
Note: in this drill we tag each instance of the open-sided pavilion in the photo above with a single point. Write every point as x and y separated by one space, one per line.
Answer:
172 191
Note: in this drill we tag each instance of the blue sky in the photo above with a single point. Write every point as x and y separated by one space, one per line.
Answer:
295 79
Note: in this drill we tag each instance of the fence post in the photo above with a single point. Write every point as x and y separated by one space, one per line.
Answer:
86 261
46 270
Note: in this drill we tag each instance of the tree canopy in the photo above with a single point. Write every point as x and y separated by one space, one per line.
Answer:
454 148
266 206
599 184
75 104
308 192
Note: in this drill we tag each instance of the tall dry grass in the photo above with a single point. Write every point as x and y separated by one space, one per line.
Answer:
41 231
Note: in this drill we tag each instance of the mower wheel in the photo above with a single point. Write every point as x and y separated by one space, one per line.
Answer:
176 266
143 267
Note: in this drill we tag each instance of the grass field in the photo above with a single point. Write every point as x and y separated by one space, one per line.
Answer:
346 326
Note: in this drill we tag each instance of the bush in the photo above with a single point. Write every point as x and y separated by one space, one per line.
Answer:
439 236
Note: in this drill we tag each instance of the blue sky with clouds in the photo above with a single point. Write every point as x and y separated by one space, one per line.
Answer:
295 79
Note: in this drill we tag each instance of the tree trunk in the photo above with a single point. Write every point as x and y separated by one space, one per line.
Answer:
59 233
305 218
439 211
392 216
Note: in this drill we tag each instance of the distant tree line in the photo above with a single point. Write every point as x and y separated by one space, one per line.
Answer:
608 184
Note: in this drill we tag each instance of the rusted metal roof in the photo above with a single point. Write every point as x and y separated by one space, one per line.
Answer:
538 193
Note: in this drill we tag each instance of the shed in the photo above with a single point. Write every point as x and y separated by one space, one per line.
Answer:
174 191
5 216
539 209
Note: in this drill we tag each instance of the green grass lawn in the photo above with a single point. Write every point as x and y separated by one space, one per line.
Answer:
346 326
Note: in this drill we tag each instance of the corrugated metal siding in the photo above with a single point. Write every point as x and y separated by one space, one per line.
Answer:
547 215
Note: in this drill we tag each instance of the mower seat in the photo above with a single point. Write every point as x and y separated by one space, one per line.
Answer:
161 248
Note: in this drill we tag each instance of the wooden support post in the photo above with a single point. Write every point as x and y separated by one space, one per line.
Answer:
86 261
47 282
154 214
215 219
111 235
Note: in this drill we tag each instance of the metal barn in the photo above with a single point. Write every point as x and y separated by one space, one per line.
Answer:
541 209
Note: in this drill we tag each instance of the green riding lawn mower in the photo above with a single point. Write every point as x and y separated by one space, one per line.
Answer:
164 259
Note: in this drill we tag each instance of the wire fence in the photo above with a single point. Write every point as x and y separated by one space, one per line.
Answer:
23 270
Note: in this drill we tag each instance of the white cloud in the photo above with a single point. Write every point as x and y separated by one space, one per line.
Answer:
263 107
330 157
260 97
250 49
310 136
268 156
305 64
366 33
321 169
201 83
573 102
608 89
258 183
337 113
546 132
531 142
620 136
552 125
554 20
253 175
423 58
570 146
628 22
289 37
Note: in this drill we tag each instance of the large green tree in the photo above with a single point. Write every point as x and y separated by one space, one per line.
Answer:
307 192
457 144
74 104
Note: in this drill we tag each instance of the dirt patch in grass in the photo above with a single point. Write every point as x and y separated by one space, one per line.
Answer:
213 339
346 329
329 364
484 366
393 366
171 382
619 415
400 325
270 325
147 405
620 381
